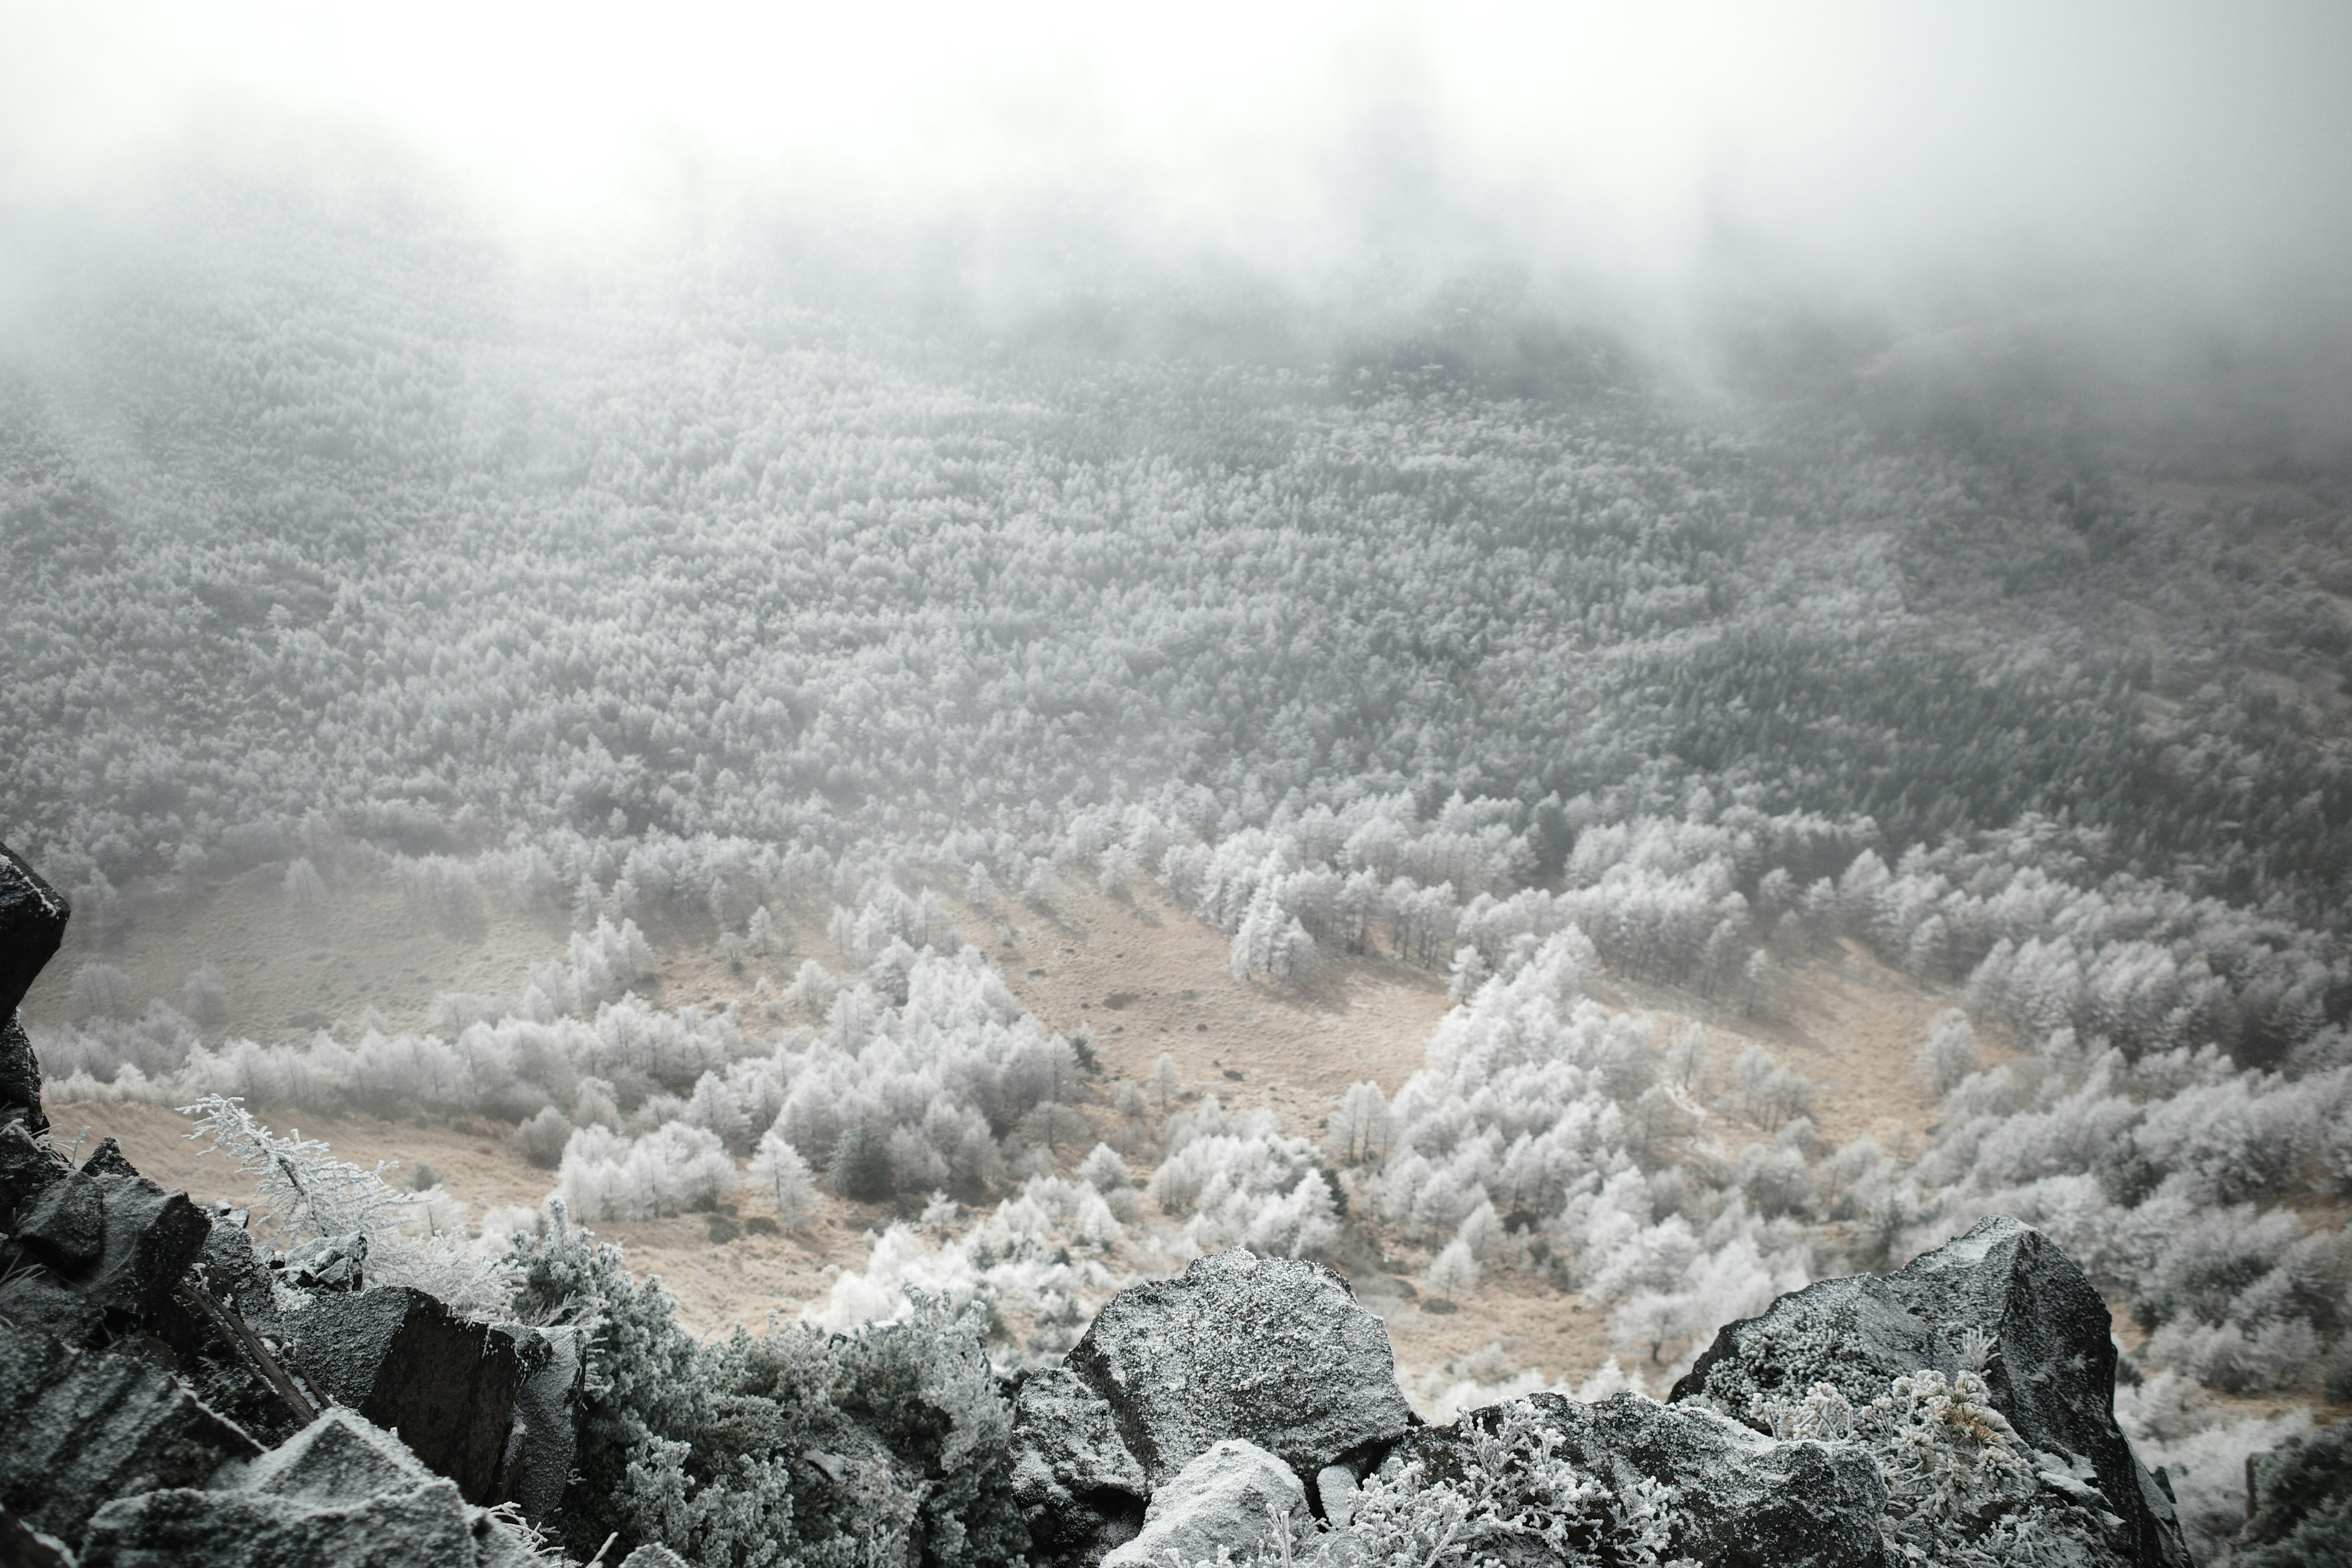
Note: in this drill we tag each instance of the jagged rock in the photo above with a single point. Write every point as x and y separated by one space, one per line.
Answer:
32 922
651 1556
328 1263
20 1078
65 1226
26 1169
1271 1350
22 1546
1740 1499
111 1245
1080 1489
2299 1503
341 1491
405 1361
88 1425
1745 1501
2004 1295
544 1435
1232 1495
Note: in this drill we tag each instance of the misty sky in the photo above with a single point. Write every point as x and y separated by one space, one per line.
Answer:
2195 153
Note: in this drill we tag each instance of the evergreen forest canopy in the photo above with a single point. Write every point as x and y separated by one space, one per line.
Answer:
1464 632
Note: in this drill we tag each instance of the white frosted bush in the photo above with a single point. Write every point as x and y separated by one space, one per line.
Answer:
777 1167
1454 1269
672 1170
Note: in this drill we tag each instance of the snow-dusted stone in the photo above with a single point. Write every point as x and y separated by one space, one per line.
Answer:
1271 1350
84 1426
1746 1501
32 923
1235 1495
2003 1298
341 1491
1738 1498
1335 1492
111 1244
1080 1489
405 1361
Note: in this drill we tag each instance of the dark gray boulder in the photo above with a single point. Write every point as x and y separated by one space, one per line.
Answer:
100 1249
32 923
27 1166
22 1546
2003 1299
340 1492
106 1245
84 1426
1080 1489
402 1358
20 1078
1271 1350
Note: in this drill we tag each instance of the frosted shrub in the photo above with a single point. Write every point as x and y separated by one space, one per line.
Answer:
1950 1053
1244 1184
543 1137
1105 1171
302 1191
2203 1454
1962 1487
673 1170
101 991
1455 1271
1516 1495
206 993
778 1167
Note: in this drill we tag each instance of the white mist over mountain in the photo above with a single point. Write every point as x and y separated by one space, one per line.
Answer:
1862 151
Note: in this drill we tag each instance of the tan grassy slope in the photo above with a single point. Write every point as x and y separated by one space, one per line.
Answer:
1146 975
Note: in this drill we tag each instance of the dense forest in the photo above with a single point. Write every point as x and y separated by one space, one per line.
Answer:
342 546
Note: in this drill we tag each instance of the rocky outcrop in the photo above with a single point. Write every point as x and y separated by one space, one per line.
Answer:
2002 1300
341 1491
1271 1350
1268 1349
402 1358
32 923
1994 1342
88 1425
166 1402
1739 1500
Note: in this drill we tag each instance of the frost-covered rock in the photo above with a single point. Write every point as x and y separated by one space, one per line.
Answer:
1718 1493
110 1246
1234 1497
402 1358
341 1491
86 1425
1271 1350
2002 1302
1080 1490
32 923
